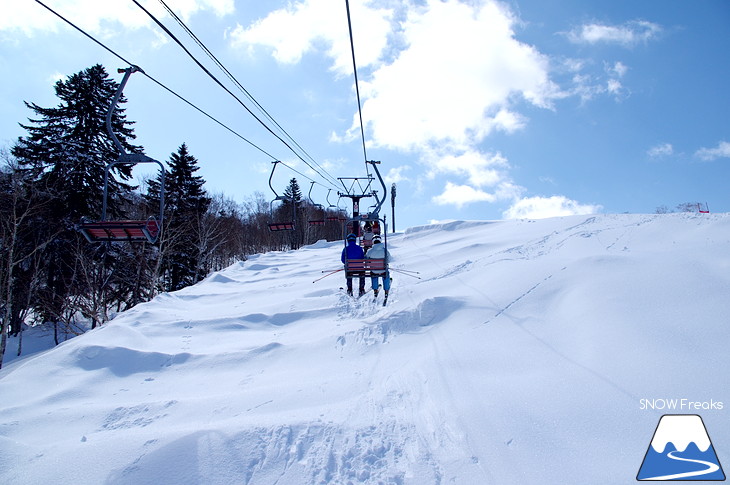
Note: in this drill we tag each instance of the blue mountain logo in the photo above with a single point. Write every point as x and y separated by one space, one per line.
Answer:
681 450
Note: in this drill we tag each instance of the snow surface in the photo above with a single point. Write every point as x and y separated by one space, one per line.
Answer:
681 430
521 356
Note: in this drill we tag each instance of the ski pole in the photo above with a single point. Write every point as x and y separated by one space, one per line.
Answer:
328 274
407 274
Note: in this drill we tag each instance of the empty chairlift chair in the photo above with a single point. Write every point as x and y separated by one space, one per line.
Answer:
329 214
316 219
286 225
147 230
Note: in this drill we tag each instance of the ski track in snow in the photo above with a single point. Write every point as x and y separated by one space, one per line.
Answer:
468 375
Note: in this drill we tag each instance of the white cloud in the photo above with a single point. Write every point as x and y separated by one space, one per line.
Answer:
476 171
572 65
544 207
628 34
460 195
396 174
614 86
444 74
547 180
619 69
480 170
587 87
708 154
661 150
458 86
436 79
96 16
306 25
55 77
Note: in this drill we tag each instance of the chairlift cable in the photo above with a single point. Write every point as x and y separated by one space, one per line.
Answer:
300 173
166 88
153 79
357 88
217 81
209 116
240 86
79 29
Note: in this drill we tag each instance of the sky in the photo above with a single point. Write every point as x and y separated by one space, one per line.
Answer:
477 109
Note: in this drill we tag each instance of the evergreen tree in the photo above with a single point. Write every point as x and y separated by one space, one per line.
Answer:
185 189
68 147
292 200
186 203
66 153
292 192
291 210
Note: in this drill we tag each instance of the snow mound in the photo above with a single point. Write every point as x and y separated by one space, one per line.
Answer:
510 352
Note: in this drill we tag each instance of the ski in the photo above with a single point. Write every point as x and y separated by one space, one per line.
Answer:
353 295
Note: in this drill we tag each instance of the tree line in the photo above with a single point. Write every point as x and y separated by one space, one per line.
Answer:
52 178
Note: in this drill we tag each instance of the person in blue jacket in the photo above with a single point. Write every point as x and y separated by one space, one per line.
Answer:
353 251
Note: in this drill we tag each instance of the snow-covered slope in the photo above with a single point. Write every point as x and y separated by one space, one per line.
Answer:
523 355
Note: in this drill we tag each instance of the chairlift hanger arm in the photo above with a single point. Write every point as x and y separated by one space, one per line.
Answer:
385 190
278 197
309 196
123 161
127 72
124 157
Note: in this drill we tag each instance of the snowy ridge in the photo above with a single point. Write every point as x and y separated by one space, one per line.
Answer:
523 346
680 430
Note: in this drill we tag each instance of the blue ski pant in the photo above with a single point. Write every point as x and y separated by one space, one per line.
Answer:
386 281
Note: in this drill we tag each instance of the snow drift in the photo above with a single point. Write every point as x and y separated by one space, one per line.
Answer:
520 356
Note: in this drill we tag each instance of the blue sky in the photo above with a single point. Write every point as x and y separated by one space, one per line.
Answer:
477 109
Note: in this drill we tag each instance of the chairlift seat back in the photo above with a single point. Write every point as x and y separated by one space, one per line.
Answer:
128 230
281 226
365 267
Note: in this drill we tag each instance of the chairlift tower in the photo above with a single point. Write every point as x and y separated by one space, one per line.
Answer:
360 188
